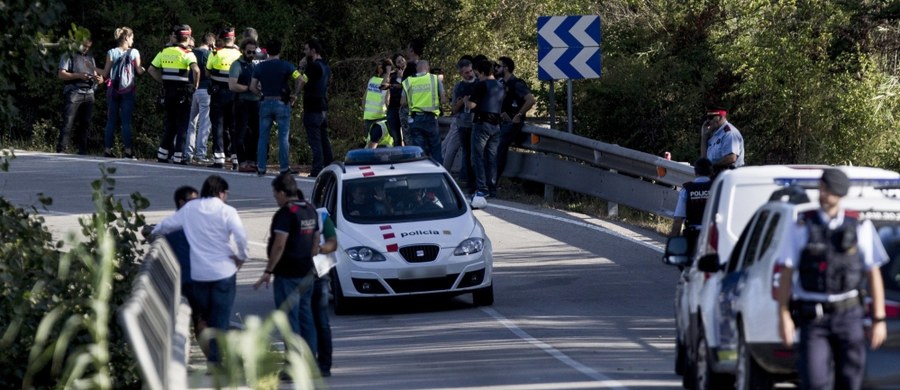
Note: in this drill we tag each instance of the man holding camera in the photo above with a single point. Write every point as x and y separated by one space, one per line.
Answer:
171 67
80 74
721 142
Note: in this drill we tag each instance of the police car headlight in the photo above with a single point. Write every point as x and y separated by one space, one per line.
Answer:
469 246
364 253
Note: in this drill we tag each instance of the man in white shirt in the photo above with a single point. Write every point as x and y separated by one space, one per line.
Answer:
210 225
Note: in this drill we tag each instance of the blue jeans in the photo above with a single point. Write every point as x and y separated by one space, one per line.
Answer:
316 124
323 327
214 301
425 133
118 107
198 126
393 122
298 307
485 138
274 111
77 107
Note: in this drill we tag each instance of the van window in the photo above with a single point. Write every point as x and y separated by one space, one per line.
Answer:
755 238
737 251
769 235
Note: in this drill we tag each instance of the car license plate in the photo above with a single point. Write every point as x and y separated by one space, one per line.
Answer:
423 272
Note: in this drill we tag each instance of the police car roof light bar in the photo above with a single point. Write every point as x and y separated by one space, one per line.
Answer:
384 155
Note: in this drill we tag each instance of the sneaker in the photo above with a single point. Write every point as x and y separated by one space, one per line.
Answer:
202 160
217 166
260 173
481 194
290 171
234 162
326 373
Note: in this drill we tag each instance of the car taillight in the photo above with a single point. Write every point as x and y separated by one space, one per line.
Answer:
776 280
713 237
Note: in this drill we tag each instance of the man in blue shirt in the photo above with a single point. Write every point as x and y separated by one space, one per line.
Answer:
271 81
721 142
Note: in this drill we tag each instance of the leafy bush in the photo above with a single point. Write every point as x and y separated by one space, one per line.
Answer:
58 306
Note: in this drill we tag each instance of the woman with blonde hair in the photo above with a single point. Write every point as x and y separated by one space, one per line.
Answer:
120 93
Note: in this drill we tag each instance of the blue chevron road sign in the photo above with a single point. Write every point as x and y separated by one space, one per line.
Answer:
569 47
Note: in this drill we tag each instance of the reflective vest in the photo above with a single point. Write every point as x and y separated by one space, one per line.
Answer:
422 93
375 100
386 139
219 64
830 262
175 63
697 193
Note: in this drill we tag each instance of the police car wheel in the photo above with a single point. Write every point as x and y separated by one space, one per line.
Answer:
484 296
750 375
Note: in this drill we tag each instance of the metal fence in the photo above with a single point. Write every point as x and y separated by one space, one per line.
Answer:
610 172
156 320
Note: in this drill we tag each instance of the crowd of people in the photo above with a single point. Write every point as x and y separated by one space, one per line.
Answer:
230 94
201 233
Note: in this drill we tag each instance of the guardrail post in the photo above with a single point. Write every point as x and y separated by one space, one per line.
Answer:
612 208
548 192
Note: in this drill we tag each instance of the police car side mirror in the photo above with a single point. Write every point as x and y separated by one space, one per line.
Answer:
677 252
709 263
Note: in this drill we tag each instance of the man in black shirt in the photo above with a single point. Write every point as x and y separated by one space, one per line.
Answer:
515 106
315 106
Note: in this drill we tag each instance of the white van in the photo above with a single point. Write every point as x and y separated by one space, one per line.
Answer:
734 197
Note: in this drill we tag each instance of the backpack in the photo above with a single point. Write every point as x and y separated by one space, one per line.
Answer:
122 79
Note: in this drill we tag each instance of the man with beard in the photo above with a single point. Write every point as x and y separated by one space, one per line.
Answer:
315 106
516 104
246 108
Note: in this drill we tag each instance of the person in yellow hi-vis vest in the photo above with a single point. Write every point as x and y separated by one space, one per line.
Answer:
221 100
377 135
377 94
423 94
171 67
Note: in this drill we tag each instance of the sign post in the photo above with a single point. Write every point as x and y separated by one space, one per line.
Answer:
568 49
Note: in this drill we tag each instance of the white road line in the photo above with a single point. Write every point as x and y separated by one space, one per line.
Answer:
589 372
578 223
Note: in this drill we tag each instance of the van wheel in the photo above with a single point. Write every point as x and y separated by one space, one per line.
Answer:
750 375
483 296
706 378
342 304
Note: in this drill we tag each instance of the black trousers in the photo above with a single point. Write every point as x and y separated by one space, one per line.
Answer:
246 134
178 114
839 337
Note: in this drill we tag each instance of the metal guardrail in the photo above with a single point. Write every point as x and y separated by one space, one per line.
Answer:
610 172
156 319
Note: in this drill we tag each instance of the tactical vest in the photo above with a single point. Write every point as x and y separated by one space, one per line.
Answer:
830 262
422 93
697 193
303 231
386 139
375 105
220 64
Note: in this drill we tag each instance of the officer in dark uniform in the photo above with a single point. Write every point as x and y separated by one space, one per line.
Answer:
691 202
823 264
171 67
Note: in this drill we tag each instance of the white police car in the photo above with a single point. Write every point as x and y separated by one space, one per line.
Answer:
403 228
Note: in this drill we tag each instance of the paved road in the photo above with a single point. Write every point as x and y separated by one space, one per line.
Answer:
580 303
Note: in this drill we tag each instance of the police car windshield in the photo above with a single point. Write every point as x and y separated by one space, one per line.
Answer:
402 198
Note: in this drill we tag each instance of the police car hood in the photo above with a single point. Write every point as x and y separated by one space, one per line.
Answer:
388 237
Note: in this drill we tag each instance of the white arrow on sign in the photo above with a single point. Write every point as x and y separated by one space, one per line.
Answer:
548 63
579 31
548 31
580 62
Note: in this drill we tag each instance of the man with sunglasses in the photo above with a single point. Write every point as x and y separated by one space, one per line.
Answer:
721 142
